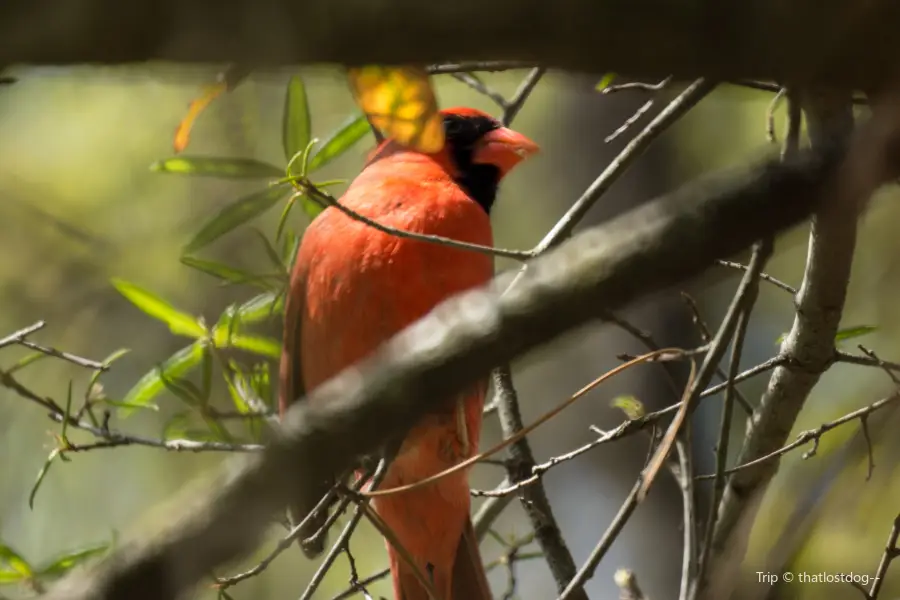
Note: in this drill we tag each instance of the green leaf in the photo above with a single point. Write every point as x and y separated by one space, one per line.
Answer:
118 404
177 425
261 383
151 384
260 308
295 124
27 360
179 323
109 360
631 406
235 381
70 560
225 273
217 167
271 253
353 130
854 332
291 247
263 346
14 561
40 477
605 82
236 214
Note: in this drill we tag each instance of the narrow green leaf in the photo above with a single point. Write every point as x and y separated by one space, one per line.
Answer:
179 323
295 123
261 383
8 576
225 273
234 380
353 130
119 404
177 425
282 220
184 390
854 332
109 360
236 214
217 167
206 370
27 360
151 384
631 406
259 308
251 343
605 82
271 252
292 246
70 560
40 477
14 561
263 346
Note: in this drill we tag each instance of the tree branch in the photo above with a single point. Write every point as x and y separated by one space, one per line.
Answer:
805 43
646 250
809 347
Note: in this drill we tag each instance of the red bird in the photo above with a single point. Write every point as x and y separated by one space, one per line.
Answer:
354 287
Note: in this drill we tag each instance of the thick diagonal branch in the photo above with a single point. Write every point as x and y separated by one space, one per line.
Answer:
799 42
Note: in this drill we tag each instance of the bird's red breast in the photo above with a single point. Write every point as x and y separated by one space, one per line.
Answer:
354 287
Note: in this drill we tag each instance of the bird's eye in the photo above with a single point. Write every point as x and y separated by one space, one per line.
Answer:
452 126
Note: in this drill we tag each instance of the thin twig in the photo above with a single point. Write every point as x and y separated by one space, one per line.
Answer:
19 336
811 435
686 100
328 200
534 497
770 114
760 252
489 66
599 551
710 362
341 542
705 337
479 86
640 112
891 551
283 544
763 276
684 476
636 85
522 94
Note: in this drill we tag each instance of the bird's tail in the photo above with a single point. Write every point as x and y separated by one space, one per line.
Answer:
465 578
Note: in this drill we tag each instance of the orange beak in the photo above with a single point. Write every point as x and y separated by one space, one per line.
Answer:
503 148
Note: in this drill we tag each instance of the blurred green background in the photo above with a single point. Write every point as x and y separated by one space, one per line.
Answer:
80 205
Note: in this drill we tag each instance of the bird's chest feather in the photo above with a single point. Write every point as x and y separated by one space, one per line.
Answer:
363 285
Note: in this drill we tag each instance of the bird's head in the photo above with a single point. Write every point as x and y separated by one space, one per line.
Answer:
481 151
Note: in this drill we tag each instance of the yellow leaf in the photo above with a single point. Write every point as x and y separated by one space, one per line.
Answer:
631 406
183 132
226 81
400 101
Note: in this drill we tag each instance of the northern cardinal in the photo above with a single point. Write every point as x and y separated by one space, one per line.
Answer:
354 287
